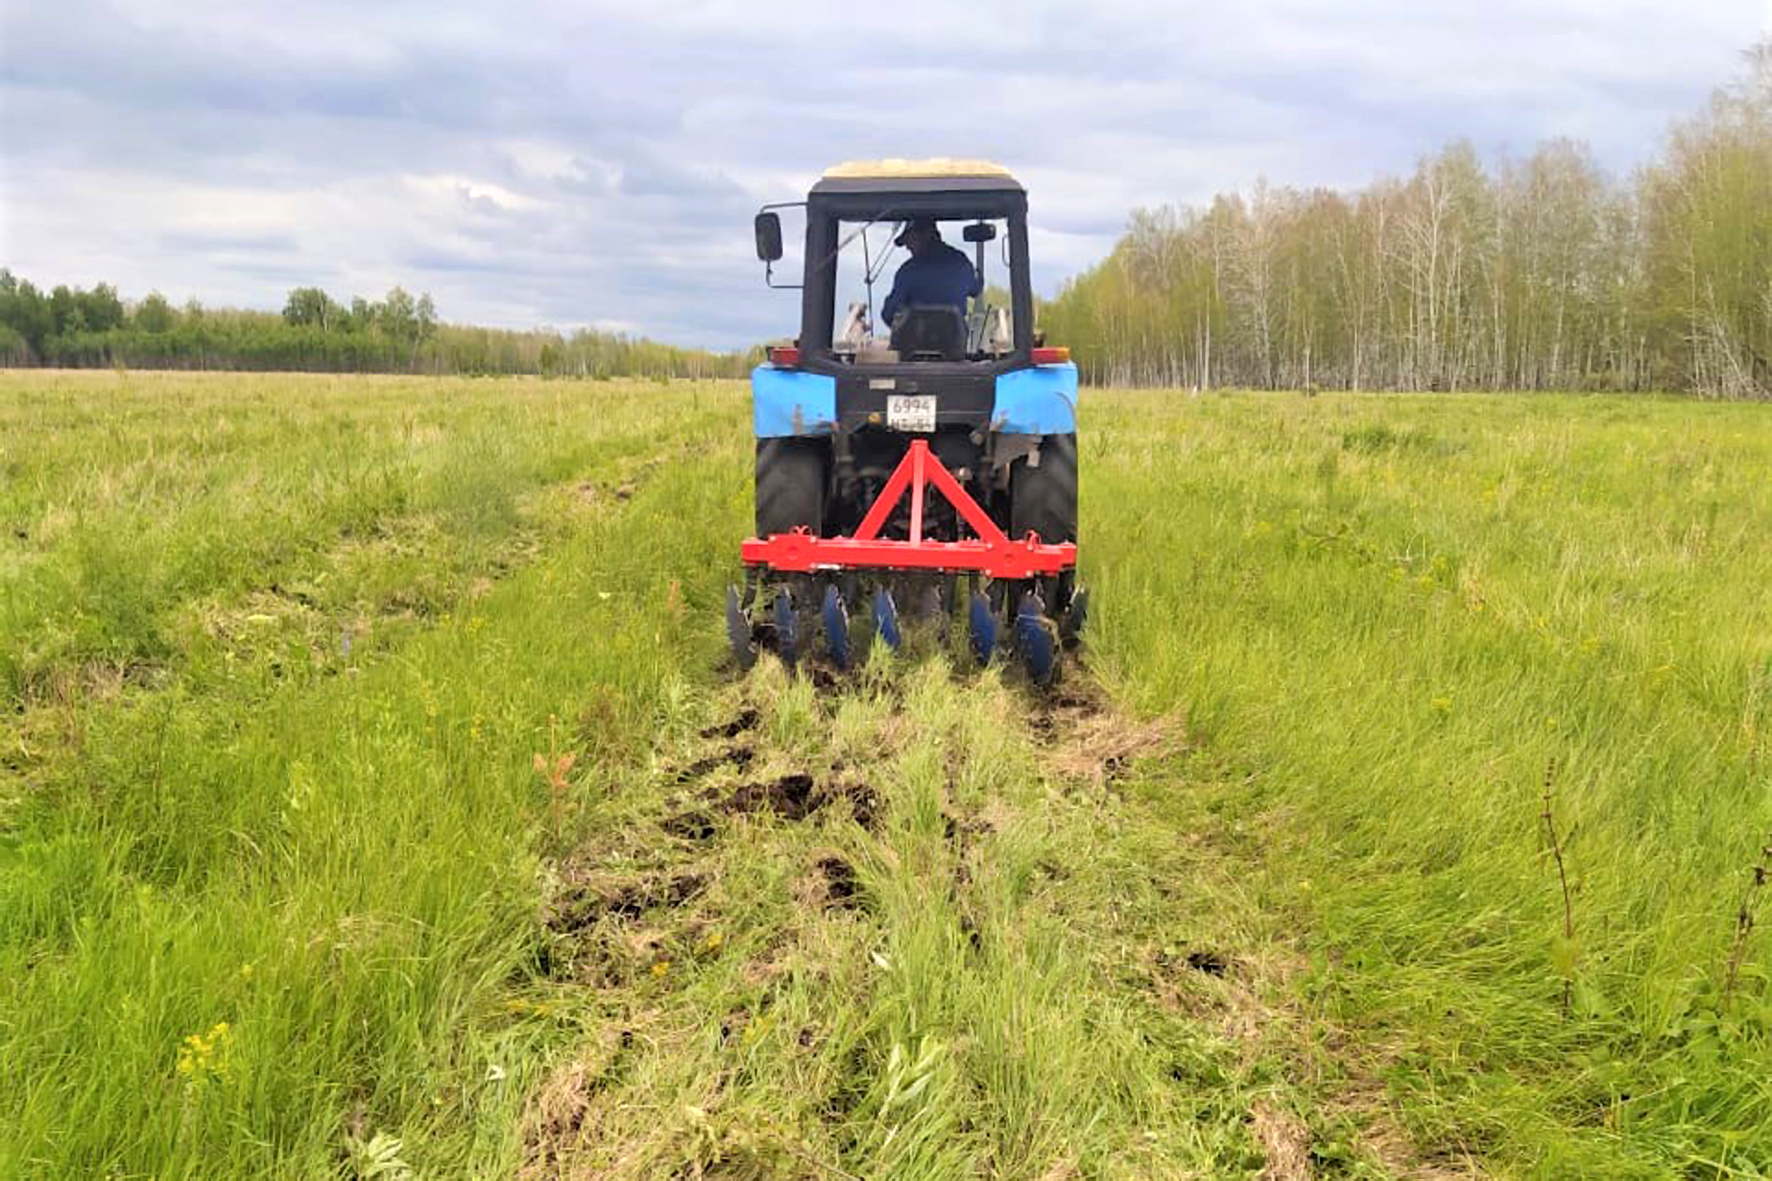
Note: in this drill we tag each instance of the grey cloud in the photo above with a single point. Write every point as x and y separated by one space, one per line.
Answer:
654 177
282 275
569 162
433 261
223 242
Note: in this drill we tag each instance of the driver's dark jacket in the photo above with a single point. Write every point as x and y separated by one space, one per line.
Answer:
943 275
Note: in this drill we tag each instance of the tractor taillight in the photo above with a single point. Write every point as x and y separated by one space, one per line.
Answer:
784 356
1052 356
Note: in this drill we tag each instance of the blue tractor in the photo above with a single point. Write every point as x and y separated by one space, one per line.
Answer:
917 445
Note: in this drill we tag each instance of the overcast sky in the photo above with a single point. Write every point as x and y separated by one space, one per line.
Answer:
576 162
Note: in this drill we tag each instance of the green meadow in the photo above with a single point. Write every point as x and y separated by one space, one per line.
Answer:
375 801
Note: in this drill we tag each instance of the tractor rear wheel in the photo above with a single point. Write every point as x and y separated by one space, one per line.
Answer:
1043 500
790 486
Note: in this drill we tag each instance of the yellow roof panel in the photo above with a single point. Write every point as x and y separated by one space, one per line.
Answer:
898 168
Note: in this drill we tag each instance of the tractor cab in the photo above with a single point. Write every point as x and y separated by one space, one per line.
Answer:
917 370
971 364
856 222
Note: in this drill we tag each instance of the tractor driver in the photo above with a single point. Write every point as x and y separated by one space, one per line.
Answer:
935 273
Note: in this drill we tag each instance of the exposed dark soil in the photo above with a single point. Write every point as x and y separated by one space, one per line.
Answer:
798 796
1063 707
864 802
587 905
790 797
1198 959
745 719
733 756
694 825
842 892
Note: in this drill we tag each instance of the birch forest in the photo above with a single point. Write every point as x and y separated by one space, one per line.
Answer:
1538 273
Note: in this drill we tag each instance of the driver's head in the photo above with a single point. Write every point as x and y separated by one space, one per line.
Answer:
919 235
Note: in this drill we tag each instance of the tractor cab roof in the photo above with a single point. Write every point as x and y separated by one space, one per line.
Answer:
937 175
889 193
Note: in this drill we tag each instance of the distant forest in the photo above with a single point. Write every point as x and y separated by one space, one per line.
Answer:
397 334
1543 273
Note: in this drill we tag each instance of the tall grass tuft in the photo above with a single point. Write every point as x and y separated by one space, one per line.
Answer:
1744 919
1566 952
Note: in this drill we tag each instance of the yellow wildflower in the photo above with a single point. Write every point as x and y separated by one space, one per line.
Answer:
203 1056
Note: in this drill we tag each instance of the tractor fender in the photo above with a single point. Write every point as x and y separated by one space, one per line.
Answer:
1037 401
788 402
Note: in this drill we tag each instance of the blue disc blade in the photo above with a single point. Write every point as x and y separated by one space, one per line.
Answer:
886 618
836 627
787 629
738 631
1033 636
984 628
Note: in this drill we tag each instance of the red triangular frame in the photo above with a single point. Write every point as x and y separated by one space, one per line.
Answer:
992 552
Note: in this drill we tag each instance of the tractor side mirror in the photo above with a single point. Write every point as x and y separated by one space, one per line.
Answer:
768 230
979 231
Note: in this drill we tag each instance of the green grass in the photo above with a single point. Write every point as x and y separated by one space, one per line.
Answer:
952 977
149 517
335 853
1391 615
283 891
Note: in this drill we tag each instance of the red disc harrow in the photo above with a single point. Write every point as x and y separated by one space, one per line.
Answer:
991 552
1017 570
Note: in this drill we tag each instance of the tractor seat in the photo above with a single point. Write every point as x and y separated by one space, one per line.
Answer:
930 332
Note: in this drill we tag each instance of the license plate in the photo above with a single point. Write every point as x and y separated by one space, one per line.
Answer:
914 413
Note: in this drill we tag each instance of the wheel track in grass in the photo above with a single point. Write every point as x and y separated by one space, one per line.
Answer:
281 628
338 872
924 925
124 587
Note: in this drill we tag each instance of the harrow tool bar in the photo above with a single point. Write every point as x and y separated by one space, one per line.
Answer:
992 552
1018 568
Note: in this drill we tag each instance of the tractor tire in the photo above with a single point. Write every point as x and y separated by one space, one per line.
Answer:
790 486
1043 500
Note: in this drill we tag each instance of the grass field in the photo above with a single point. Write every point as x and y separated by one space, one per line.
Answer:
373 802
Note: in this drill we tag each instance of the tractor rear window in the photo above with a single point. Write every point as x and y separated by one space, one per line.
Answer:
905 293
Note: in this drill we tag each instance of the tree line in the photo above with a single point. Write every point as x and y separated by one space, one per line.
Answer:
399 333
1542 273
